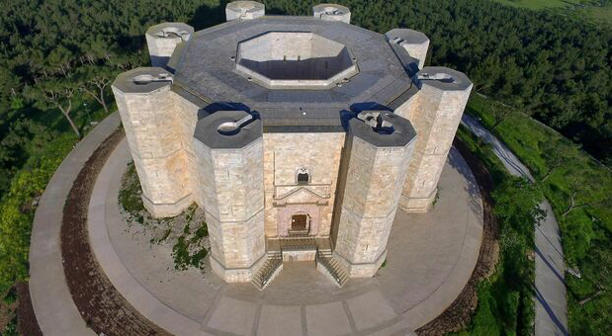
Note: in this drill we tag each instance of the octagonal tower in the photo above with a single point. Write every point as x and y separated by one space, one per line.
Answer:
163 38
332 12
436 113
228 147
379 148
244 10
152 128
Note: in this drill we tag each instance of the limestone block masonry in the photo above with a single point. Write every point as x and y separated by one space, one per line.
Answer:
163 38
332 12
229 159
379 153
318 154
436 112
151 125
244 10
414 42
318 164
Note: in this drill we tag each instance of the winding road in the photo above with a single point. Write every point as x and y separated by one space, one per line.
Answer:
550 291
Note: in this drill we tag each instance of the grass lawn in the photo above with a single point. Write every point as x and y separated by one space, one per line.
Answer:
579 189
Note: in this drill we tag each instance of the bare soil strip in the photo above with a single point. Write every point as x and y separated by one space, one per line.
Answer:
100 304
26 319
459 313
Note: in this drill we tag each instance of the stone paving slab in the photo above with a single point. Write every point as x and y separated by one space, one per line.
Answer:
233 316
327 319
55 311
370 309
276 320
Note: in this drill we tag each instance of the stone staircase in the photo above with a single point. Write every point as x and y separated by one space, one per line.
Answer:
331 266
321 254
298 244
271 267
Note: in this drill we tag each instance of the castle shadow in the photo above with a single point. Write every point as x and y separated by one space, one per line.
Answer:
460 165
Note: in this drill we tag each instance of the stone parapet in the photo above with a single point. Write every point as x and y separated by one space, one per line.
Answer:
163 38
150 120
332 12
436 112
413 42
244 10
379 148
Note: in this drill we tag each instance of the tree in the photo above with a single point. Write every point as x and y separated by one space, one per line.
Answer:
500 113
557 153
94 81
58 94
579 196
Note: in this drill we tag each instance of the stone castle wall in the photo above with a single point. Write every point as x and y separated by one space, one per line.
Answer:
373 186
284 154
151 123
435 111
231 191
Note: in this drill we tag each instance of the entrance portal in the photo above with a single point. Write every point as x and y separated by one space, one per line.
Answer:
300 224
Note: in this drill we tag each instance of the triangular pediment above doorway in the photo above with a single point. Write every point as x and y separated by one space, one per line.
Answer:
301 195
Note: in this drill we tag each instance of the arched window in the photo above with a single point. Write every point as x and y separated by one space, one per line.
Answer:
302 176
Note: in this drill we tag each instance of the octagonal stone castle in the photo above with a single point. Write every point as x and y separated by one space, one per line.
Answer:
299 136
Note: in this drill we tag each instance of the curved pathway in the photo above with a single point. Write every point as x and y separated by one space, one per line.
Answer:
431 257
550 291
55 311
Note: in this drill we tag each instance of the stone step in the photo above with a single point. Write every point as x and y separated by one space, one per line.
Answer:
334 268
299 244
325 252
267 272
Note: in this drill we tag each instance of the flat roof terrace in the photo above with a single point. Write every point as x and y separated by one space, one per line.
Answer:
298 73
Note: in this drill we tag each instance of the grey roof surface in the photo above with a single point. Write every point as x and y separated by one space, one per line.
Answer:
174 26
459 80
407 35
125 80
206 69
402 134
207 130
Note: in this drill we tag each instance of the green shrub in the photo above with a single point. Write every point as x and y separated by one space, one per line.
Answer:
130 192
17 209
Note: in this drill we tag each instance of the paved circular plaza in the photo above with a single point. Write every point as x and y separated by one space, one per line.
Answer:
431 257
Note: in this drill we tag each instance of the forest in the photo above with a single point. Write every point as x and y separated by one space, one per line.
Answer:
59 55
59 58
